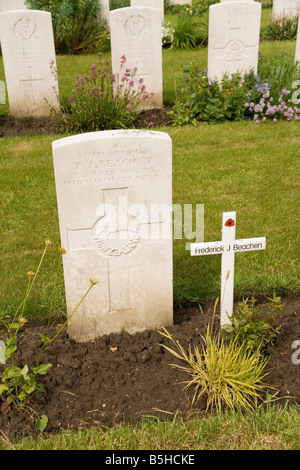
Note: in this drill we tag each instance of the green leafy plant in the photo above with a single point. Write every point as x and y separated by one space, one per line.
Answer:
201 99
190 31
281 29
18 383
102 100
227 373
114 4
255 325
76 24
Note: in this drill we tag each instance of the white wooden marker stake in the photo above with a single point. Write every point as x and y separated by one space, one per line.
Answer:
227 248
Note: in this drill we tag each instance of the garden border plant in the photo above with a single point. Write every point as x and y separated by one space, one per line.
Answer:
254 324
19 383
101 99
261 96
77 26
227 371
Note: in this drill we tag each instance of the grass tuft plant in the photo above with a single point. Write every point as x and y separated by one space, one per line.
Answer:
227 373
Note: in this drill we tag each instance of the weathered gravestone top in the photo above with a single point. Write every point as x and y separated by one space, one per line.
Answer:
28 51
285 9
150 4
233 38
136 34
8 5
114 193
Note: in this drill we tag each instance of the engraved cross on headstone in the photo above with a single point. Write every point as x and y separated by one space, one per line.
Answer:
31 81
115 235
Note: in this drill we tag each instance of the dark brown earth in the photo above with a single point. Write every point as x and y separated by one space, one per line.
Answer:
10 127
123 378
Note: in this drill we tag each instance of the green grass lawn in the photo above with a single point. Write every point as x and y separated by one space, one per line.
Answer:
242 167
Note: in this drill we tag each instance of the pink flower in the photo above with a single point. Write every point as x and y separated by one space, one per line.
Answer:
128 106
131 83
123 59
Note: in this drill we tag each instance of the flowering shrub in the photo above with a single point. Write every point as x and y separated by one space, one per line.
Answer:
259 97
281 29
167 34
267 107
102 101
204 100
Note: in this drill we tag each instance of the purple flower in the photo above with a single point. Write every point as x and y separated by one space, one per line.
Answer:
71 100
123 59
128 106
131 83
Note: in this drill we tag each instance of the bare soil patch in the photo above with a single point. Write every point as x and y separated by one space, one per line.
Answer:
11 127
123 378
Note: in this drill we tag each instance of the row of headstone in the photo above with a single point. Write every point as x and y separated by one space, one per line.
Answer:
28 49
285 9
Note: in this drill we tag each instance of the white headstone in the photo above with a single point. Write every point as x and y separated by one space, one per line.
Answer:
8 5
151 4
180 2
136 33
227 247
233 38
114 201
297 53
28 51
104 10
2 92
2 352
285 9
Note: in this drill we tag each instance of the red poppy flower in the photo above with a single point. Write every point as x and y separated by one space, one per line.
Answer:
229 223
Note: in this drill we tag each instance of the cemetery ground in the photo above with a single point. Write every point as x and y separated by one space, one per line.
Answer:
122 380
